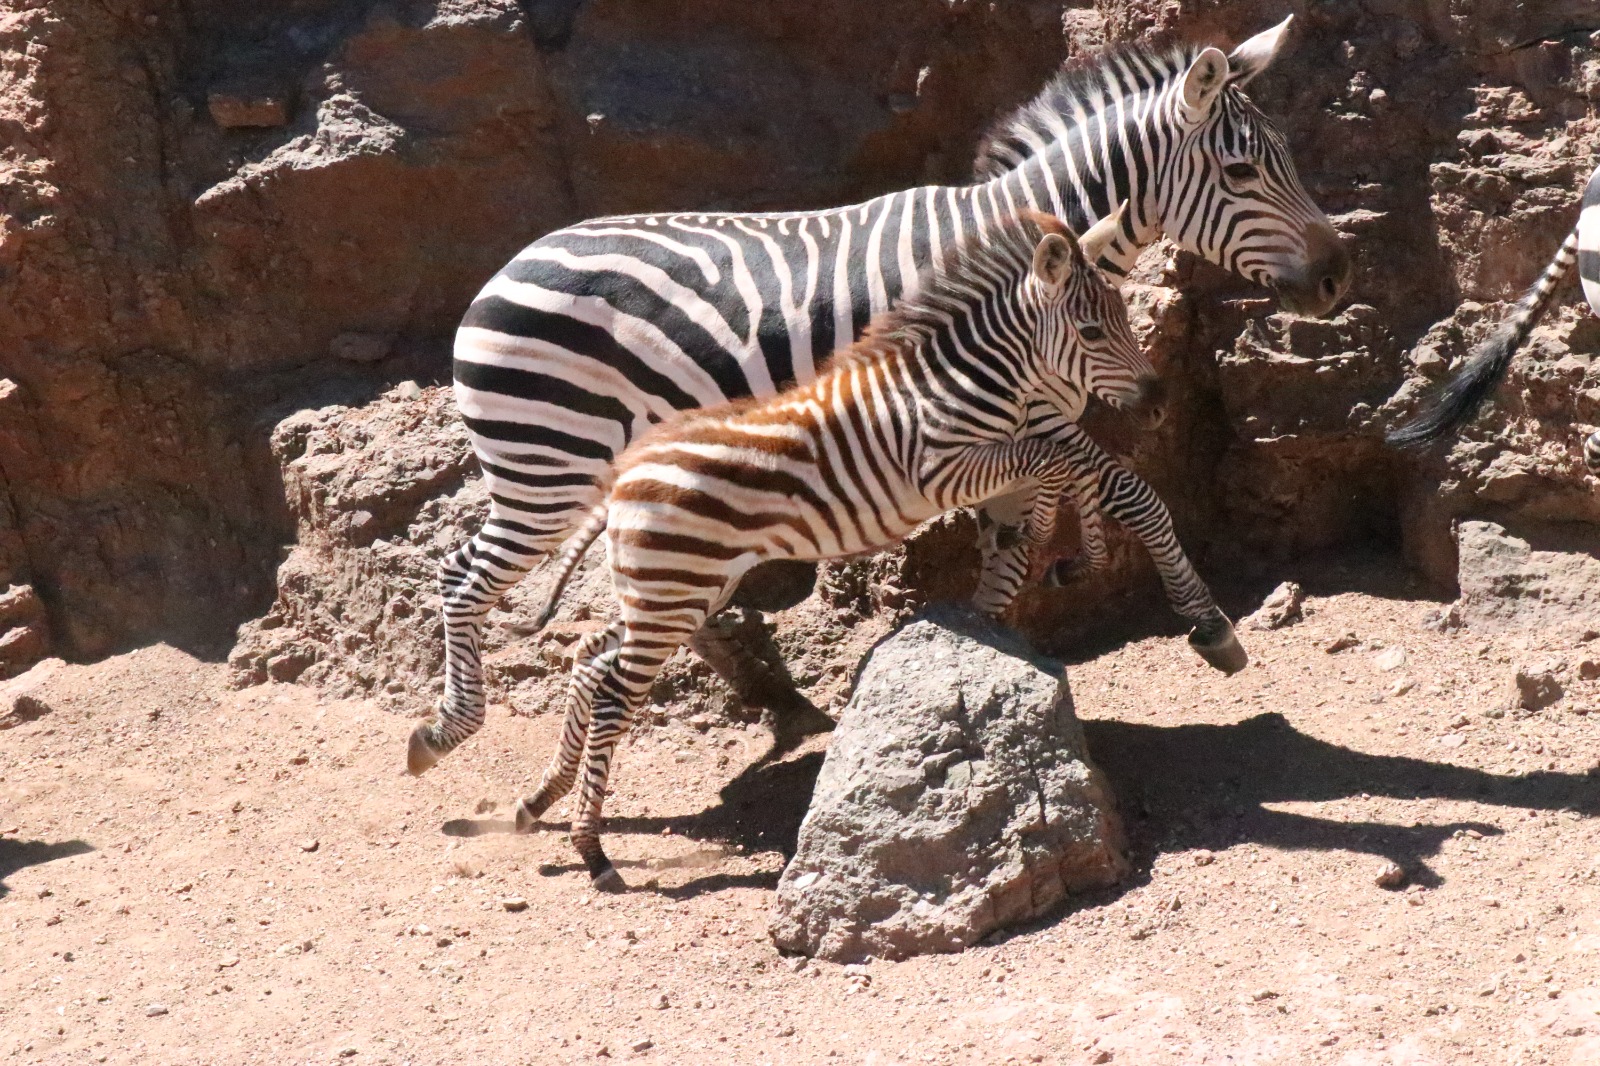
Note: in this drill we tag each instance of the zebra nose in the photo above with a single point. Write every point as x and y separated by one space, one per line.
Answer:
1150 409
1326 277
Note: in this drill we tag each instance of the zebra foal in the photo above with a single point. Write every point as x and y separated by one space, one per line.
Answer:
926 413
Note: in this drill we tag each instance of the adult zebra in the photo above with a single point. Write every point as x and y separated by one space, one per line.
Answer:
595 332
1460 397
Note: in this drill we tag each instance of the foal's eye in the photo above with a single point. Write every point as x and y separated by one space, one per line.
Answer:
1091 333
1240 171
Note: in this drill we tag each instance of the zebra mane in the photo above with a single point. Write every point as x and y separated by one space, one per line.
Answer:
980 265
1114 70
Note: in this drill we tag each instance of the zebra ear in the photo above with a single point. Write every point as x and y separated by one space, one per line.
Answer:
1256 54
1098 237
1204 83
1055 258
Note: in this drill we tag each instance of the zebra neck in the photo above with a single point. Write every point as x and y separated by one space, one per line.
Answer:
1086 173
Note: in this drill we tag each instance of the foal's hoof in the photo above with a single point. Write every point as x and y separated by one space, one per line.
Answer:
1222 650
421 755
608 881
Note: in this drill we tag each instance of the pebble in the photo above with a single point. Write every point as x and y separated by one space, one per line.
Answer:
660 1003
408 390
1101 1056
1390 875
644 1043
309 845
514 904
1338 644
1263 994
155 1010
346 1052
1390 658
1204 857
485 806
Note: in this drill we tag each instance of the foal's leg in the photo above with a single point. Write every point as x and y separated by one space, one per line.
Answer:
591 661
648 639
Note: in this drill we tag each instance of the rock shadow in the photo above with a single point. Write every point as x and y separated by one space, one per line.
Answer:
1206 786
20 854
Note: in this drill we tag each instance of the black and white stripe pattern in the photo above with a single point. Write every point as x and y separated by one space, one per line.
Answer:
1458 400
927 413
596 332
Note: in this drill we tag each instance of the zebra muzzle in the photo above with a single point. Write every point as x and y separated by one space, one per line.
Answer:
1149 410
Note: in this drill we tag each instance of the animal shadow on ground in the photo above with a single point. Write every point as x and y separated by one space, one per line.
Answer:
759 810
1178 787
19 854
1206 786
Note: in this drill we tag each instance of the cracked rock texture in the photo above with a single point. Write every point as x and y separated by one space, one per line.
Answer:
213 217
956 799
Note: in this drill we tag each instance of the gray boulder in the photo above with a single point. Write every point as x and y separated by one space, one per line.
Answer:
1507 583
956 799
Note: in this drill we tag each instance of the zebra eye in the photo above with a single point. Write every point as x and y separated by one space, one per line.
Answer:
1240 171
1091 333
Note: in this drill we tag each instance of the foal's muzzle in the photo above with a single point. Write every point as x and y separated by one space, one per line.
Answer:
1149 409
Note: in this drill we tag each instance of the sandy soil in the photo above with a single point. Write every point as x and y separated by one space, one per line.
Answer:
198 875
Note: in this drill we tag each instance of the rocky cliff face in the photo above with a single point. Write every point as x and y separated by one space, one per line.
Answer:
214 217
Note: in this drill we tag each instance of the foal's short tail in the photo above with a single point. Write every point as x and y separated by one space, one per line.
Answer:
576 547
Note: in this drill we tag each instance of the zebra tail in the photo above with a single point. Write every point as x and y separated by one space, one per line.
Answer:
1463 394
577 547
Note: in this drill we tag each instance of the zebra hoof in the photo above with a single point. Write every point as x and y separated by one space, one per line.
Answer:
421 755
527 817
608 881
1223 650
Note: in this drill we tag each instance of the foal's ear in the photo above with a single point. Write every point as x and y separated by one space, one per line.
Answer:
1098 237
1055 258
1257 54
1203 83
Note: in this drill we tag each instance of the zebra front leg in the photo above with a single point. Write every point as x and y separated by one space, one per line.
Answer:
1131 501
737 643
592 660
1004 549
1092 552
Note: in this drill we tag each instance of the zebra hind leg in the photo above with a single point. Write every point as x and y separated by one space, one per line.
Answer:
621 688
593 658
1591 452
472 579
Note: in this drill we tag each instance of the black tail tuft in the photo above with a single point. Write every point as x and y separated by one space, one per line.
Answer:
1463 394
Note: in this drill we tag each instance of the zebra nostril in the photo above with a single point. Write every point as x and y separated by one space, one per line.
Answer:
1329 288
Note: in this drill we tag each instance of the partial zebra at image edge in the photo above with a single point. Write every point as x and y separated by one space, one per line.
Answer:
1454 403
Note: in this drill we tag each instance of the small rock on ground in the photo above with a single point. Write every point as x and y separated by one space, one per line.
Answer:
1390 875
1282 607
1535 687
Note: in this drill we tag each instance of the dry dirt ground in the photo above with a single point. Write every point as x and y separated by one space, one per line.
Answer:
193 874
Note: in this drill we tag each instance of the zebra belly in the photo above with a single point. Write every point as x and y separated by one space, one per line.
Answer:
1589 243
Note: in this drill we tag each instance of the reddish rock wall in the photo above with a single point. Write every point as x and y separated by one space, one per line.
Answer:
213 217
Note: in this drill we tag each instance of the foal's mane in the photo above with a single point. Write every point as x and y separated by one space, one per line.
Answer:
1006 254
